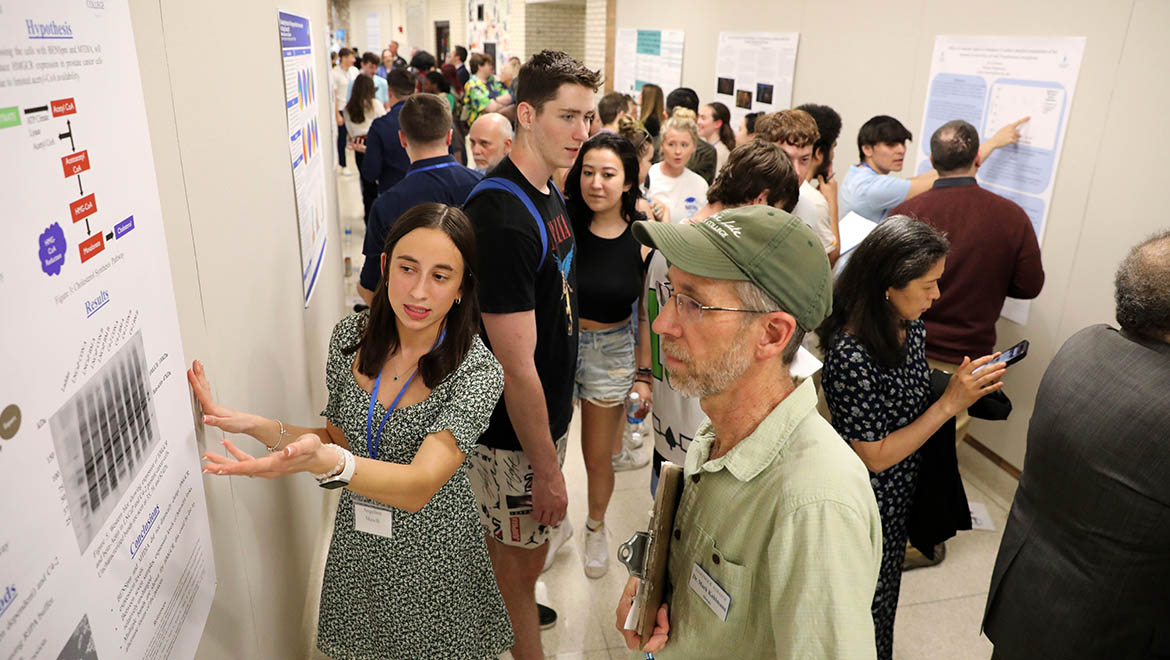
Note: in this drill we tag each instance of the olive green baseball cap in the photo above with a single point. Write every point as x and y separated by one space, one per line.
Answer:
772 249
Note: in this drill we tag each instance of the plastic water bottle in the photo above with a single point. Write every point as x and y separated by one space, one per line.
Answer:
633 405
345 250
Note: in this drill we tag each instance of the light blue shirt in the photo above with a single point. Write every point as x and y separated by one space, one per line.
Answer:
869 194
381 89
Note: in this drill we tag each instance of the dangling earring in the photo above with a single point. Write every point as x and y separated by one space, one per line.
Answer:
887 296
458 300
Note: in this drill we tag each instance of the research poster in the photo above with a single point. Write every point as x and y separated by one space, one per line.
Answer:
105 550
994 81
647 56
306 148
753 72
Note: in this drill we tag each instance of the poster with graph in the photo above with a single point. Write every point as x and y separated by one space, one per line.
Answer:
306 155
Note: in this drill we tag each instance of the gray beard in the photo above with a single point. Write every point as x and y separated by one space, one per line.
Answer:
708 379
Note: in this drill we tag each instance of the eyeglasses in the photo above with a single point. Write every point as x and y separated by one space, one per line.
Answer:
689 309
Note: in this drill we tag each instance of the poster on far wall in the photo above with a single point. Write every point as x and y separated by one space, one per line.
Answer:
991 82
105 548
306 148
647 56
754 70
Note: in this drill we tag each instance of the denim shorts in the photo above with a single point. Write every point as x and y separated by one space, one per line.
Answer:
605 365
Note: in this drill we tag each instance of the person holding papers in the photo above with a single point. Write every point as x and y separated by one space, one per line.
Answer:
776 542
408 573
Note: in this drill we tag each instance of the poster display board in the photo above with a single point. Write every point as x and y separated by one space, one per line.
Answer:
754 70
994 81
105 550
647 56
306 150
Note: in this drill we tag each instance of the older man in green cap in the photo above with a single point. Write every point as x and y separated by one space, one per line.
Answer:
777 539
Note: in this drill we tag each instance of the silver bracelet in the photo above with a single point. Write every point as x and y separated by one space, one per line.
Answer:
283 435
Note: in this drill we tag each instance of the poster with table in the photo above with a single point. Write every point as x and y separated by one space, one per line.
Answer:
306 149
105 550
647 56
754 70
994 81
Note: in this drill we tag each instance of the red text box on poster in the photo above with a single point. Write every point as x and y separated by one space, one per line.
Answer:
83 208
91 246
63 107
75 163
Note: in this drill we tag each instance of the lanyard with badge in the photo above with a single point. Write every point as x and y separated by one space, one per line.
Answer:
371 516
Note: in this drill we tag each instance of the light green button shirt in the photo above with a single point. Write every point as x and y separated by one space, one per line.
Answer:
786 523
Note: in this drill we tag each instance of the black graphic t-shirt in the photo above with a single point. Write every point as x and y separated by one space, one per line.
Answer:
512 279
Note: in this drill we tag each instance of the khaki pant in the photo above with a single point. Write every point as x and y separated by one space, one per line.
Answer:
963 419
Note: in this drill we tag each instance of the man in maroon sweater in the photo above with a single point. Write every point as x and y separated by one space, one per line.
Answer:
994 253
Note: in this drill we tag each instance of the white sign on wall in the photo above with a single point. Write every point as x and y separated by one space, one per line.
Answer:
994 81
647 56
754 70
105 550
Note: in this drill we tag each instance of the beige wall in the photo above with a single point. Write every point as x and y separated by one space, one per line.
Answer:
213 86
866 58
556 26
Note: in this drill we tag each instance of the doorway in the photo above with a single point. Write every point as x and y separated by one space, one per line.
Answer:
442 40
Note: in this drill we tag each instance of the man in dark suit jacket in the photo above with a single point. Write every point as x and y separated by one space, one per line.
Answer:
1084 567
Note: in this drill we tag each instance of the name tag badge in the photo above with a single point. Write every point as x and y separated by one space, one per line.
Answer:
709 590
372 519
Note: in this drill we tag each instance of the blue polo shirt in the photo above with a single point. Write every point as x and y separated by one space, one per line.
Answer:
385 160
440 179
870 194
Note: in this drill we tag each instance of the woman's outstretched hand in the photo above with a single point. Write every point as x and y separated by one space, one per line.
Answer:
214 414
306 454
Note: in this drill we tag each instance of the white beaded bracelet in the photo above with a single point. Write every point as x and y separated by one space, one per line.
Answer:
336 468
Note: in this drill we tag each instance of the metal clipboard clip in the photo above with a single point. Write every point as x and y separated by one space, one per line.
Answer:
633 553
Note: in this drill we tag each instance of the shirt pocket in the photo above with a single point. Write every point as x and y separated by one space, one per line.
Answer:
733 577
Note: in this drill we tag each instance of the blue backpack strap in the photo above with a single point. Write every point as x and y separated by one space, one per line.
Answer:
504 185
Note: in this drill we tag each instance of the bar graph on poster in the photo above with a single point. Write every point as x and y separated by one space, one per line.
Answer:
105 550
304 139
994 81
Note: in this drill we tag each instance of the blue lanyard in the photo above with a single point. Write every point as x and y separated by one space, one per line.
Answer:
866 166
437 166
371 445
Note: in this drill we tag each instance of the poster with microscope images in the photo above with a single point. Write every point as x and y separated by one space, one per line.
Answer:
105 550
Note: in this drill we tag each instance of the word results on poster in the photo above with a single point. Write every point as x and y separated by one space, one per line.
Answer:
754 70
305 146
105 550
991 82
648 56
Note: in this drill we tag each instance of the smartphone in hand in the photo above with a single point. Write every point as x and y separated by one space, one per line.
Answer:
1010 356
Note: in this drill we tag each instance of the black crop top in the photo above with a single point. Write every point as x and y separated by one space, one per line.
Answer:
609 275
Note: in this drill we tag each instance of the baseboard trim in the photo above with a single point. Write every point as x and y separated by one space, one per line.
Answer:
992 456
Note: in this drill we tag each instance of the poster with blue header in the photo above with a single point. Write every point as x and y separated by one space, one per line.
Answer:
305 145
991 82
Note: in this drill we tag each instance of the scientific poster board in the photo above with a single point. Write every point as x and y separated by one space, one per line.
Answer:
754 70
991 82
105 550
647 56
306 149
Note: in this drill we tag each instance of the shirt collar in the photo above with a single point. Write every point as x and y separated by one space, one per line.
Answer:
757 451
954 181
427 162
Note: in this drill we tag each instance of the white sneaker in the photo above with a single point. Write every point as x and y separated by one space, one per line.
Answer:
628 459
596 551
561 535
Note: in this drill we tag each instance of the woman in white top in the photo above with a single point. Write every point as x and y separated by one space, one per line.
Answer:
715 127
683 191
359 112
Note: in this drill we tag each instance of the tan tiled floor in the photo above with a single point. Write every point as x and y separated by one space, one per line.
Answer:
939 610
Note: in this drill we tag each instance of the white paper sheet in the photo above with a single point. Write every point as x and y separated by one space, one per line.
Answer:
754 71
854 228
647 56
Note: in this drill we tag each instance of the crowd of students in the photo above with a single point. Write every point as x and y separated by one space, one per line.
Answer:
588 249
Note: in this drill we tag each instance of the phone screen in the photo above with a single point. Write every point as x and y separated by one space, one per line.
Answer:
1010 356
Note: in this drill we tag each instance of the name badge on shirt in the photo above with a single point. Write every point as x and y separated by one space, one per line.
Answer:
373 519
709 590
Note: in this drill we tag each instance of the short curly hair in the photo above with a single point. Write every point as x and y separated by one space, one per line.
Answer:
1143 289
795 127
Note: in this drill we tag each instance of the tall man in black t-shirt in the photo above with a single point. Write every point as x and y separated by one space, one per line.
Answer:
527 292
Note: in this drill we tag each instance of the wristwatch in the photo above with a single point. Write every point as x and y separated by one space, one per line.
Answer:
341 474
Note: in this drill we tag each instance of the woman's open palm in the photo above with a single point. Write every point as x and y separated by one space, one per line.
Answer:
215 414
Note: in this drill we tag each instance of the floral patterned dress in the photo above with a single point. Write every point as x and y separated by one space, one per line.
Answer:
429 590
867 402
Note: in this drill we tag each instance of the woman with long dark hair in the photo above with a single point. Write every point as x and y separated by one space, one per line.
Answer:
601 192
362 108
653 106
877 381
411 387
715 127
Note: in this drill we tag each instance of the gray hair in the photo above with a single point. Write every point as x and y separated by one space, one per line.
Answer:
1143 289
754 298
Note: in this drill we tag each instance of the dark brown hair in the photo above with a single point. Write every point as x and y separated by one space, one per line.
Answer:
726 132
401 82
361 97
753 168
379 337
425 118
544 73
